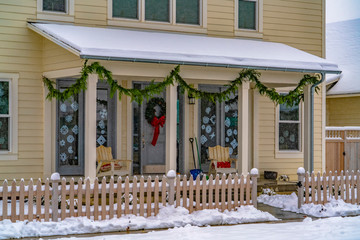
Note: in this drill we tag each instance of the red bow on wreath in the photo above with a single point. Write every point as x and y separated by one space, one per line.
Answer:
157 122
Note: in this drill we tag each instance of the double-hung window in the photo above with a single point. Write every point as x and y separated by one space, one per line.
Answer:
8 116
289 131
173 12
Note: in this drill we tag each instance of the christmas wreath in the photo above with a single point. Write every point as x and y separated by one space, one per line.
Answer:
153 120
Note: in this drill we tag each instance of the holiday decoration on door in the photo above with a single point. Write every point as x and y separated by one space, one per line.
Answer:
156 120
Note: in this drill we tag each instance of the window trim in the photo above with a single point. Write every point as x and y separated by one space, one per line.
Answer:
67 16
250 33
140 22
12 153
289 153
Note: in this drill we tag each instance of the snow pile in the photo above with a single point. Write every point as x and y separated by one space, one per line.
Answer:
168 217
330 228
331 209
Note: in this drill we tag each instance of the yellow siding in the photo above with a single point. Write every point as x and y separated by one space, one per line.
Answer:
295 23
221 18
338 115
266 141
20 52
91 12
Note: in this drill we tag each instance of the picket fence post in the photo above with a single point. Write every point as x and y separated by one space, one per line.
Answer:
171 180
55 179
301 176
254 173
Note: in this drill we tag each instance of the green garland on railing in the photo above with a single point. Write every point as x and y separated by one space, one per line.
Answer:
138 95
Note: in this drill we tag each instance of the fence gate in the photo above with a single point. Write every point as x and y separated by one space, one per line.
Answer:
342 148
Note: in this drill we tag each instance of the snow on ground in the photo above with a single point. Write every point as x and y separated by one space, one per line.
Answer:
331 209
330 228
168 217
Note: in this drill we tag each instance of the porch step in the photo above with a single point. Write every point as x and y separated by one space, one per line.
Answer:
277 186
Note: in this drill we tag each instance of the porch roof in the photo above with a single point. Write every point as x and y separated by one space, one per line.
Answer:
176 48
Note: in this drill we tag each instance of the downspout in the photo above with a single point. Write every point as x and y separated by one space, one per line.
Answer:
312 90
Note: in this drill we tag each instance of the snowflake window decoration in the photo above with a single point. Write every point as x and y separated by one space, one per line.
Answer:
68 118
75 129
62 143
70 139
64 130
63 157
63 107
75 106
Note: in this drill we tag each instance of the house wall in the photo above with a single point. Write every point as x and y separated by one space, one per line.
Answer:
338 115
20 53
297 23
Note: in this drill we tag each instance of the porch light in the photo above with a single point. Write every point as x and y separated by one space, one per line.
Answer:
191 100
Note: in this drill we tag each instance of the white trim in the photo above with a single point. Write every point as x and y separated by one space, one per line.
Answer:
256 96
67 16
119 121
344 95
13 79
250 33
140 22
129 120
243 128
289 153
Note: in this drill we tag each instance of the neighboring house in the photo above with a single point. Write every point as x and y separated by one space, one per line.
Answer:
342 45
343 96
141 40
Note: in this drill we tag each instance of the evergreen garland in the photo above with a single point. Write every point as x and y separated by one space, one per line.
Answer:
138 95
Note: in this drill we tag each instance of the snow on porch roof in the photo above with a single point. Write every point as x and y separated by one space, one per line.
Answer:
146 46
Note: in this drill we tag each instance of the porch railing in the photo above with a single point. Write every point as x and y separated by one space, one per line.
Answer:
56 199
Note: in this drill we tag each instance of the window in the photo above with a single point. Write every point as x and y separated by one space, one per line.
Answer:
247 14
289 128
188 11
164 11
125 9
4 115
8 116
55 10
54 5
249 18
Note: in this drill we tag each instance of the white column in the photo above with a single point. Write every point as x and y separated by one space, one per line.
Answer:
90 127
171 118
243 129
307 123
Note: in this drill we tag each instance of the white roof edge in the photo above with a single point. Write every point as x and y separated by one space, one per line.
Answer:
174 48
332 79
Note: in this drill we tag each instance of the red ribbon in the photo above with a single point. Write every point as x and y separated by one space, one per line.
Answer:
157 122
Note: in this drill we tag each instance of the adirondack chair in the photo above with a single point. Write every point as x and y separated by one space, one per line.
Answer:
220 160
107 166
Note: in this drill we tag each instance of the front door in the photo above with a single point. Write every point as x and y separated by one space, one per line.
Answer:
148 156
218 125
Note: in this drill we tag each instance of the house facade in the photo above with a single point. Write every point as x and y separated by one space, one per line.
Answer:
143 40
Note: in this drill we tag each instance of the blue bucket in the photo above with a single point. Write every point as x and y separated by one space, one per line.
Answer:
195 173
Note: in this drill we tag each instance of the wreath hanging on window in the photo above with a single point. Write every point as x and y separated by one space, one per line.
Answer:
152 119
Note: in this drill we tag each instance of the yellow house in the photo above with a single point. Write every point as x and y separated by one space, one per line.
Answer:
143 40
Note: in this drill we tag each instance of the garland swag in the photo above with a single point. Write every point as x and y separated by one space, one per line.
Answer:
293 97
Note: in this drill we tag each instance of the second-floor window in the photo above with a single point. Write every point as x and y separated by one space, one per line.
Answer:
185 11
247 14
54 5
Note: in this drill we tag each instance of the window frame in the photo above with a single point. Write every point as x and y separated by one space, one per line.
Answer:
67 16
171 25
289 153
12 153
253 33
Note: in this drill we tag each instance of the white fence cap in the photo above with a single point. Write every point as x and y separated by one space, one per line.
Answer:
254 171
171 174
55 176
301 170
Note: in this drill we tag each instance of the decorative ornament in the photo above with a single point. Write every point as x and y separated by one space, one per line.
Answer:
64 130
227 122
227 108
235 132
205 120
203 127
101 140
75 106
75 129
63 157
286 133
70 150
203 139
292 138
101 124
229 132
207 110
68 118
70 138
234 144
213 119
153 120
63 107
103 113
208 129
62 143
212 135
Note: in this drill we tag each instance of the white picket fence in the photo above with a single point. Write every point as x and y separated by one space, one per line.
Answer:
59 199
319 189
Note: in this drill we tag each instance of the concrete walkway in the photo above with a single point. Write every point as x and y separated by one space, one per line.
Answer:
283 215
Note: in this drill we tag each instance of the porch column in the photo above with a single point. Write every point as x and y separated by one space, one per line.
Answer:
90 127
307 124
171 122
243 126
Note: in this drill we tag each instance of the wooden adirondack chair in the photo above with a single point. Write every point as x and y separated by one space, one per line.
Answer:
107 166
220 160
